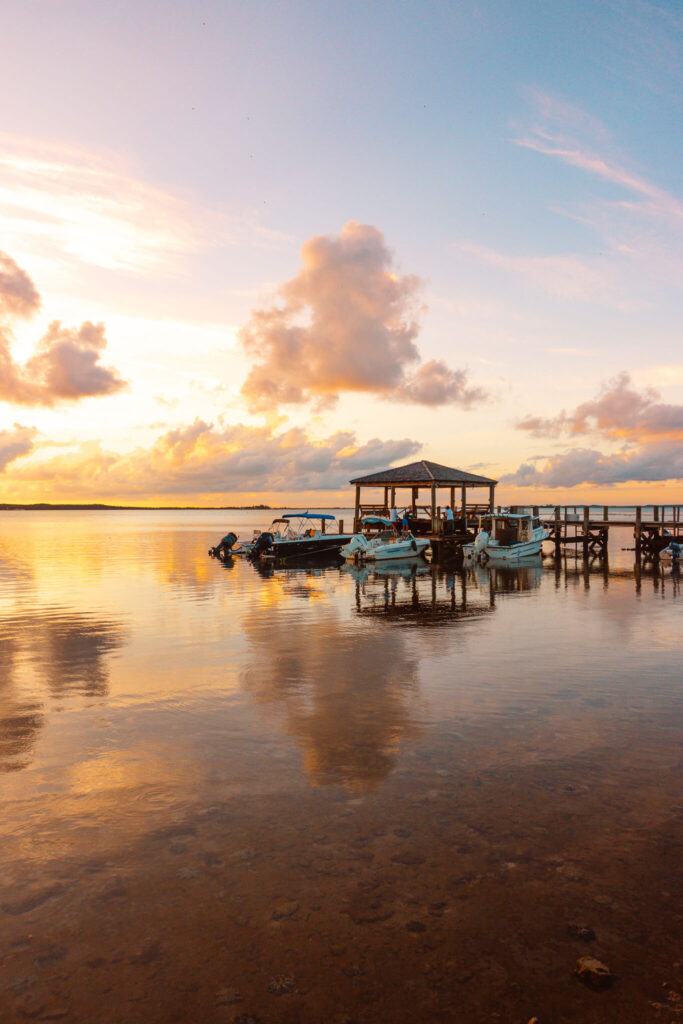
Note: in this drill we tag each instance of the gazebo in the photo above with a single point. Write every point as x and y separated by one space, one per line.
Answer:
418 476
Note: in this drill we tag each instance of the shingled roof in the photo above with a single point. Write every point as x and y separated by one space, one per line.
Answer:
424 473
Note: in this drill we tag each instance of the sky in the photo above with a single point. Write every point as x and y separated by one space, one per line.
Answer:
249 251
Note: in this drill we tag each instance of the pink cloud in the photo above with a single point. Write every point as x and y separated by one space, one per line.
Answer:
65 365
618 411
15 443
345 322
574 137
652 429
565 275
650 463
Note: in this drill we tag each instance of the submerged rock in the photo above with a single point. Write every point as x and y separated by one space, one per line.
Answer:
281 985
593 972
285 910
227 997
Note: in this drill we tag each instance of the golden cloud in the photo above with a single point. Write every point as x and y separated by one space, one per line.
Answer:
199 459
65 366
345 322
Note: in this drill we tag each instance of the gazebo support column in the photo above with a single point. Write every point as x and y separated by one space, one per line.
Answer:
356 518
463 497
393 497
492 498
453 498
433 508
415 493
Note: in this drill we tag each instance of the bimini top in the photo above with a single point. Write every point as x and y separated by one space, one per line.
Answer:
307 515
423 474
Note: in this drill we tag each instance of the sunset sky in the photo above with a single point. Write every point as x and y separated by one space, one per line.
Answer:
249 250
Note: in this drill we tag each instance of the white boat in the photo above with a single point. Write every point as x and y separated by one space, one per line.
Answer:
386 545
671 555
506 537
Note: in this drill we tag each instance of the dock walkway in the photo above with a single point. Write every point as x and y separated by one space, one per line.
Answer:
585 529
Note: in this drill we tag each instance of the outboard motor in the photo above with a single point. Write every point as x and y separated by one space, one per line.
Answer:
356 546
264 543
224 546
480 544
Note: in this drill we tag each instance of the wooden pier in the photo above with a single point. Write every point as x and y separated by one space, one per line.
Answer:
451 522
581 529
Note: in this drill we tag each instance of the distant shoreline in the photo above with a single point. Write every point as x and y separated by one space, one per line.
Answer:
47 507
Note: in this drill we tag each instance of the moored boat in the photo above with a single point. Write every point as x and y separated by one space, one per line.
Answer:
385 545
290 536
300 535
506 537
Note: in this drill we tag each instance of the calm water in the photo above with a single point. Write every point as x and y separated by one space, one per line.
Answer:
337 795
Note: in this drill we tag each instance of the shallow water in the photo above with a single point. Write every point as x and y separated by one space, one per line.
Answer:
331 795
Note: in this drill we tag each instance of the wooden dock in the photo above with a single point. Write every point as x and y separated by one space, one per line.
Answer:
579 527
584 529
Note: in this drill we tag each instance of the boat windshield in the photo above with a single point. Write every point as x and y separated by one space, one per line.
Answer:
307 524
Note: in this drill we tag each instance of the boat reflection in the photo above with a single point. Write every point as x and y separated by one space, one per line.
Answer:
525 574
424 595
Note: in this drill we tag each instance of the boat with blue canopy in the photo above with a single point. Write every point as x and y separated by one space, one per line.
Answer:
290 536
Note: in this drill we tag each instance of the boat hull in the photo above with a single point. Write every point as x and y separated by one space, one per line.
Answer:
507 553
308 547
394 552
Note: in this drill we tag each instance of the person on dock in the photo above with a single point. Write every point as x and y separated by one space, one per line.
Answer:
448 526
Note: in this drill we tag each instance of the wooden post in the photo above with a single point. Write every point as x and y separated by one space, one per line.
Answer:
557 531
356 516
393 497
656 513
341 525
415 494
386 499
463 499
433 506
453 498
492 493
605 513
586 528
637 530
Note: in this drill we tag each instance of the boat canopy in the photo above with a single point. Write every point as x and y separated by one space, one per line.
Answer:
307 515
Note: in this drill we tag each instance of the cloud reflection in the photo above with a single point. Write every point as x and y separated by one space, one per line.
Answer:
65 652
349 697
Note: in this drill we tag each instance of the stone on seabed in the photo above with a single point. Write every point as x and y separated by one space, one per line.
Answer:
593 972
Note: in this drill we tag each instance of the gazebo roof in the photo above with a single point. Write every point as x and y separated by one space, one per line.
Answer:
424 473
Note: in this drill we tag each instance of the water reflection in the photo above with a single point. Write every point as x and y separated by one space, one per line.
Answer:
424 595
349 696
65 652
20 722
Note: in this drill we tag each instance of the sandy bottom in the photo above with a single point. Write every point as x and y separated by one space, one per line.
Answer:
458 896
